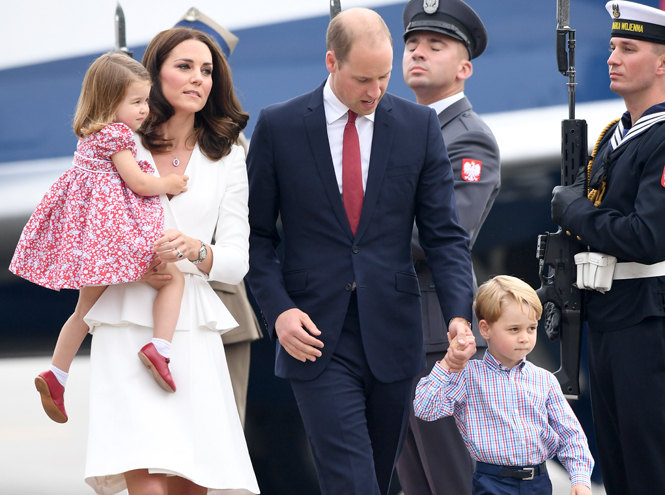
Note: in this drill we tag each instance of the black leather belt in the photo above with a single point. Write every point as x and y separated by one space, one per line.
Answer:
524 473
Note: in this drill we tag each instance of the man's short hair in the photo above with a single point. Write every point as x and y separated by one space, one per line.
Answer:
340 38
496 293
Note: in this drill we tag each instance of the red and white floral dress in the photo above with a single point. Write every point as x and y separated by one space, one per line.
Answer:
91 228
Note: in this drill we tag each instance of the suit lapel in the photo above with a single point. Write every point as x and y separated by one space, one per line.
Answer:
378 162
317 134
454 110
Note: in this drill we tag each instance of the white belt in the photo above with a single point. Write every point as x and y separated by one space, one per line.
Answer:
638 270
596 271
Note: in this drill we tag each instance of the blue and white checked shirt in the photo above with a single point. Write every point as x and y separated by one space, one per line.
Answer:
508 417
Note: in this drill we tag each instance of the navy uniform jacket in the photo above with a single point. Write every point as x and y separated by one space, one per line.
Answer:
291 174
467 138
628 224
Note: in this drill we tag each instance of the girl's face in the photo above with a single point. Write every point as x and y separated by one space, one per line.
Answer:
186 76
134 107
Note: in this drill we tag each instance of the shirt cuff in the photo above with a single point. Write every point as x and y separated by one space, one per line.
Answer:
580 479
439 374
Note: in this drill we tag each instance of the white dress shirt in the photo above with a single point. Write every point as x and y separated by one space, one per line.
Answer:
441 105
336 118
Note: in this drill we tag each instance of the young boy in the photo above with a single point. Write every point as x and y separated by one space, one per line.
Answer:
511 414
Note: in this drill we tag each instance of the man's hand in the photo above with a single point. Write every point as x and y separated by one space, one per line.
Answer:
292 328
563 196
457 327
580 490
459 353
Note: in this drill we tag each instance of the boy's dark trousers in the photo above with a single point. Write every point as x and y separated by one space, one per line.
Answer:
494 480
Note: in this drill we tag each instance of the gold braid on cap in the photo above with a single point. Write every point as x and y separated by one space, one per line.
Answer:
596 195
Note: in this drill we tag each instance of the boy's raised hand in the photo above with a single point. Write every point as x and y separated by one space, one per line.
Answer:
580 490
459 354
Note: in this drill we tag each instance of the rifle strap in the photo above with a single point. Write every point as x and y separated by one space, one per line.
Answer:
596 195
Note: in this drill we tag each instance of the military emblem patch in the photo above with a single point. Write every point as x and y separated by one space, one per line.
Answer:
615 10
430 6
471 169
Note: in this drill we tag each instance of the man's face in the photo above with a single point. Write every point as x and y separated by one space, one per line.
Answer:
433 62
361 80
634 67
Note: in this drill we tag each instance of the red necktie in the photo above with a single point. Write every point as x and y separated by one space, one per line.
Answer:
352 175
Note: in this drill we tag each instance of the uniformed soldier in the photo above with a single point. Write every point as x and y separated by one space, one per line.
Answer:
442 37
237 341
621 215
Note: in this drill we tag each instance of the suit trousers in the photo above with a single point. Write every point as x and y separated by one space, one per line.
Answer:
355 423
627 376
238 360
487 484
434 459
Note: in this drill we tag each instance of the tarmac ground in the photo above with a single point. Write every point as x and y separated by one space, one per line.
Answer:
40 457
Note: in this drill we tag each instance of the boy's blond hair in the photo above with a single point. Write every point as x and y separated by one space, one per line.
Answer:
104 87
494 294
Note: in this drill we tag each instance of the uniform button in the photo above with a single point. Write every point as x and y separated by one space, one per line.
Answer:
567 232
579 238
356 249
349 287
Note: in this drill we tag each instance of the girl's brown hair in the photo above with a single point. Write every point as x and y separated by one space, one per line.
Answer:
218 124
104 87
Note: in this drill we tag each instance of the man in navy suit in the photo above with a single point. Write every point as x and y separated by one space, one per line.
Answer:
348 167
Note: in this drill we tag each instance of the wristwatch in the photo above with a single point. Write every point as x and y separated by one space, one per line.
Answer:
203 252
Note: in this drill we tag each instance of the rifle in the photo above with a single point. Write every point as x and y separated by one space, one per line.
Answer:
335 8
120 39
562 301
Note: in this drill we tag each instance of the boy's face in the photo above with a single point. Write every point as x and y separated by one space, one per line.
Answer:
512 336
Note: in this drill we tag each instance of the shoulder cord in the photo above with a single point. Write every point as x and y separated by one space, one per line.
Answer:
596 195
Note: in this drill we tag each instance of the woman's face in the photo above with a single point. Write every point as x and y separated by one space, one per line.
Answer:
186 76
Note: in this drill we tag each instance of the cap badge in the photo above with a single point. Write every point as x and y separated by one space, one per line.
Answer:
430 6
615 10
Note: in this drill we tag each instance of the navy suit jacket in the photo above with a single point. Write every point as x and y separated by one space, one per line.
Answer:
291 175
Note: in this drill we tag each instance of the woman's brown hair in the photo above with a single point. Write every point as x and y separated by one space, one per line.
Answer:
218 124
104 87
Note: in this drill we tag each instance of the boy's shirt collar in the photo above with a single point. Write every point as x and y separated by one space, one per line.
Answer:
494 365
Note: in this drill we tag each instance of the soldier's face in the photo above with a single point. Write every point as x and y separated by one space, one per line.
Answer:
635 67
361 81
435 65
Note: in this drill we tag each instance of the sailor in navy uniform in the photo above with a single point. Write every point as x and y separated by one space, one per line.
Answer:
441 38
623 215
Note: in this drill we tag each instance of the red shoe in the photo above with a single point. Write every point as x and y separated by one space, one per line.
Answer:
158 365
53 396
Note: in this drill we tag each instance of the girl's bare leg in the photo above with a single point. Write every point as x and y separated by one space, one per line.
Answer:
166 308
75 329
140 482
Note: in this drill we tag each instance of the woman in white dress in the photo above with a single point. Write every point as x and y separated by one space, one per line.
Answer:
142 438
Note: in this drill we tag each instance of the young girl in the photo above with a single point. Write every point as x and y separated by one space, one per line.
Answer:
98 222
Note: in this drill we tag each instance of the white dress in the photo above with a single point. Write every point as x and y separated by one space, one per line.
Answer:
134 424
